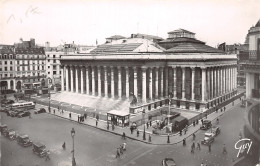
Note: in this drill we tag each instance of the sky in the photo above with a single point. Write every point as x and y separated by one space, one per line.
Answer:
85 22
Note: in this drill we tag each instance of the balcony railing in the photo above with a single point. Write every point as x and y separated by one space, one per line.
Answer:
256 93
254 55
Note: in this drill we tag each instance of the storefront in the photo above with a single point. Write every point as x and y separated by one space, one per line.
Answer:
118 118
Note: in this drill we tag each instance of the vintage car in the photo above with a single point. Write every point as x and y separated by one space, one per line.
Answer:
208 139
14 113
133 126
168 162
3 127
206 125
23 114
11 134
40 149
6 102
215 130
42 110
23 140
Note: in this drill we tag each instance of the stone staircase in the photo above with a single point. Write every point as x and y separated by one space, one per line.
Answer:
100 103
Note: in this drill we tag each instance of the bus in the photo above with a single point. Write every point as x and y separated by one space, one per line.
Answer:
24 105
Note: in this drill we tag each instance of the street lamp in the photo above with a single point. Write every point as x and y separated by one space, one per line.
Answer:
169 110
73 158
143 113
49 101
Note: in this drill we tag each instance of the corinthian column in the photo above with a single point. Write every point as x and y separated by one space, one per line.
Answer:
81 79
183 82
151 84
119 82
93 81
105 81
127 82
112 83
99 81
144 85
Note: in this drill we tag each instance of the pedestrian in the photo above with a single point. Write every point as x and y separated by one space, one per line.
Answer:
224 109
184 142
194 124
168 139
198 146
121 149
78 118
202 121
124 146
194 136
96 123
107 126
150 123
224 149
192 150
123 135
62 111
117 153
131 129
137 133
70 115
150 138
180 132
54 111
113 126
209 147
85 115
64 146
185 130
147 125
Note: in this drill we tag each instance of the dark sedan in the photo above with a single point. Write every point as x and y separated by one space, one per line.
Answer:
42 110
168 162
24 114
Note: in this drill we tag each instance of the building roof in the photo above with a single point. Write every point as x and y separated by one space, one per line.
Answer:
150 37
258 23
6 51
120 113
193 48
181 40
29 50
116 37
116 47
180 30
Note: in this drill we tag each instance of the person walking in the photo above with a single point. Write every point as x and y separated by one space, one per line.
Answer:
209 147
64 146
192 150
123 136
198 146
184 142
113 126
150 138
150 123
137 133
70 115
147 125
193 136
78 118
117 153
224 149
54 111
107 126
96 123
47 157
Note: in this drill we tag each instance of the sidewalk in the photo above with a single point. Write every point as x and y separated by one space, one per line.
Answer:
155 139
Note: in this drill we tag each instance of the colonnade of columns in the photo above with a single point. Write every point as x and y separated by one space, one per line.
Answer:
181 82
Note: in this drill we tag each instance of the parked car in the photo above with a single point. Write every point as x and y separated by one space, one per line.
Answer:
3 127
133 126
215 130
168 162
40 149
42 110
208 139
206 125
6 102
23 140
23 114
15 113
10 133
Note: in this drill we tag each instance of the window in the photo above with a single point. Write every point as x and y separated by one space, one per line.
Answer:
5 68
5 75
48 55
54 67
11 75
18 68
48 60
5 62
38 67
0 62
54 56
42 67
48 67
11 68
11 62
54 61
0 69
54 72
48 72
18 62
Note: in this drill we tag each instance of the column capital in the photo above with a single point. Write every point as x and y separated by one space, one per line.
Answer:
174 67
192 68
144 68
203 68
118 67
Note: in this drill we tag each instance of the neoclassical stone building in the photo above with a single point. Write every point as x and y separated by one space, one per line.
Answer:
194 75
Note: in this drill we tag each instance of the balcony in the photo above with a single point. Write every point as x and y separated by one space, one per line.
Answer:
256 93
254 55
